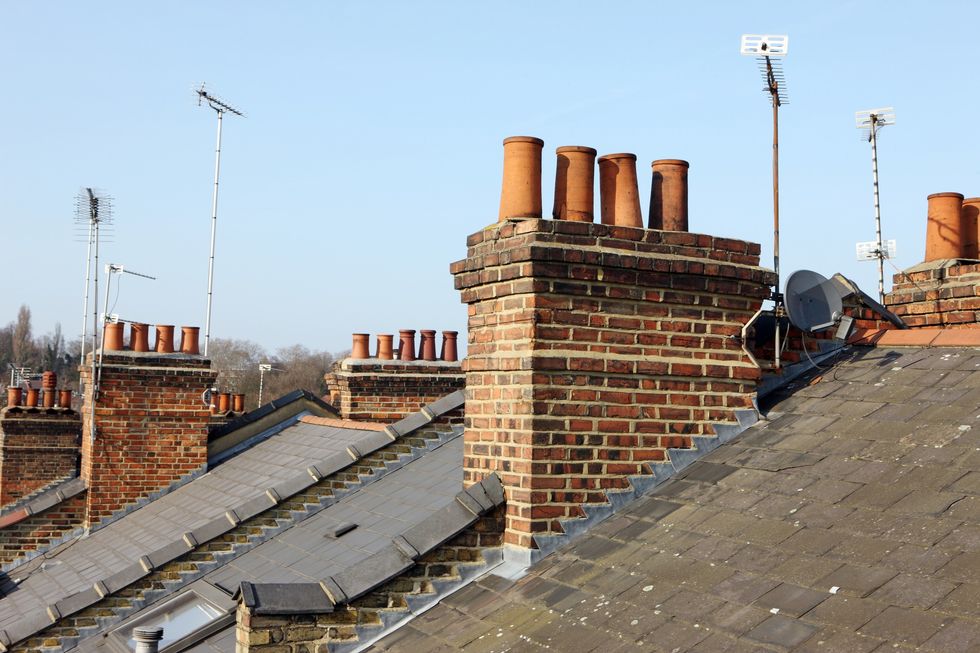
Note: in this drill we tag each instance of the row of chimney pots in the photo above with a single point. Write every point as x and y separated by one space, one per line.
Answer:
619 201
53 398
361 348
139 338
953 227
222 402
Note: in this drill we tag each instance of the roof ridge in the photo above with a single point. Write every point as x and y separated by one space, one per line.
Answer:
342 423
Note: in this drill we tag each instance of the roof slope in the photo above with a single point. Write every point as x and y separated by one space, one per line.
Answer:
849 522
76 565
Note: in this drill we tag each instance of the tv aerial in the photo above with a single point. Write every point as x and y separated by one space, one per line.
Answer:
869 122
93 215
220 108
768 50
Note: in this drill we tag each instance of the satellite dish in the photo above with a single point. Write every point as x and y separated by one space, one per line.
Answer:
812 301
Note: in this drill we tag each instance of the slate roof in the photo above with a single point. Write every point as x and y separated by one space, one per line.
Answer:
282 461
849 521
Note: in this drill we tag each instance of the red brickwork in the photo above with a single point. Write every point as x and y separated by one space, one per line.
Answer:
40 530
939 296
386 391
37 448
152 427
592 349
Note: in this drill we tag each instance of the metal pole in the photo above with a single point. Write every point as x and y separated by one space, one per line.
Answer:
874 172
261 380
777 295
88 281
214 226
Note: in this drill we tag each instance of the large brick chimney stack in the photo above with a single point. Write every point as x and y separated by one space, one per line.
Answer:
151 425
593 348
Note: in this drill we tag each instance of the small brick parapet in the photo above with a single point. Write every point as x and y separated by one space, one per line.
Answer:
387 390
37 448
592 350
937 293
151 427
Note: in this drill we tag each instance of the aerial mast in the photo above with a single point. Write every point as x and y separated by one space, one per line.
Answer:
220 108
870 121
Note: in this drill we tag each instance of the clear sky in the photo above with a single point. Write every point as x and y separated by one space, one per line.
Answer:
372 142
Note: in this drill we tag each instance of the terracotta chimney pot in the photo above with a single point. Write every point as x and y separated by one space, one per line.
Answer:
406 350
520 195
32 397
14 395
50 394
165 339
944 231
971 225
575 184
384 346
427 349
64 399
668 195
238 403
49 380
449 352
189 337
618 192
224 402
361 346
113 336
139 336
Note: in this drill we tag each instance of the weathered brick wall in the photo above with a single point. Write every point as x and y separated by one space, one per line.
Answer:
37 448
386 391
152 427
592 349
305 633
40 530
937 297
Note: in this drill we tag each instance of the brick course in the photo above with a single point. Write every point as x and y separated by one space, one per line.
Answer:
152 427
40 530
388 390
592 349
940 296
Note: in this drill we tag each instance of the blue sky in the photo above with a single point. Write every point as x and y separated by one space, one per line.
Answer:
372 142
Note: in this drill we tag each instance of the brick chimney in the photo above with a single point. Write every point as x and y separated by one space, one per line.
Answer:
592 349
385 387
943 290
151 425
38 446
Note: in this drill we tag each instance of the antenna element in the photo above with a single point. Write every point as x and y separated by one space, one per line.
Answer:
869 122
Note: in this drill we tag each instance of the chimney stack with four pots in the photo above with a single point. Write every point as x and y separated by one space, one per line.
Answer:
575 184
668 195
618 192
520 195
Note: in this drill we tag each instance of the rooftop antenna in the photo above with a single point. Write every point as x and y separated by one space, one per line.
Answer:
869 122
768 49
220 108
93 213
110 269
263 368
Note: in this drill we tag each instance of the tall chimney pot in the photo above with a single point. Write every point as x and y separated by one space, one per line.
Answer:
238 403
189 337
49 396
520 195
165 339
64 399
944 231
49 380
668 195
361 346
32 397
449 353
575 184
618 192
139 336
971 225
406 350
224 402
14 395
384 346
427 348
113 336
